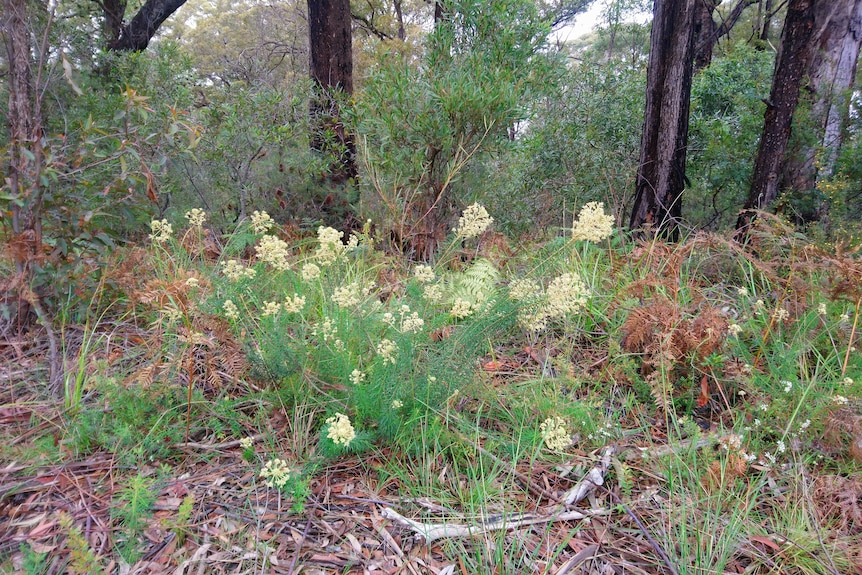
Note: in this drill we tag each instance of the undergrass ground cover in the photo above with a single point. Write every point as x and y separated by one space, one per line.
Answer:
260 402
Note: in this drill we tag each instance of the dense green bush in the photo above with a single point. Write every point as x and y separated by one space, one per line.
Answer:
423 125
582 147
726 120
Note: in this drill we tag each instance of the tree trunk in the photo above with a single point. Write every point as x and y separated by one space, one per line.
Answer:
113 12
767 21
661 169
704 33
331 69
136 35
399 15
708 33
790 66
831 73
25 131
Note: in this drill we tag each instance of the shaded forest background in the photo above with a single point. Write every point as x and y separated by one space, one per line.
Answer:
411 113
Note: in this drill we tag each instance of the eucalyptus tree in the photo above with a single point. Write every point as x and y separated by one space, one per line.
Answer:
791 65
661 168
830 76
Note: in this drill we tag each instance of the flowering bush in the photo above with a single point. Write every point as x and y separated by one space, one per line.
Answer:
593 225
473 222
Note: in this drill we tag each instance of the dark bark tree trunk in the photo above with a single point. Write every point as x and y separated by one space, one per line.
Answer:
831 73
26 163
399 15
661 169
136 35
708 33
705 35
790 66
331 69
113 12
768 13
25 131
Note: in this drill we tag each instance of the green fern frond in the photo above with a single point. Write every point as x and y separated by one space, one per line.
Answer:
475 284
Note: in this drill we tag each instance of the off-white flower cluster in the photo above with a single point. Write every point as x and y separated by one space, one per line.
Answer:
275 473
554 434
348 296
524 289
780 314
310 272
271 308
326 329
411 323
408 322
433 293
246 442
193 282
356 377
294 304
424 274
230 310
330 247
593 225
461 309
235 271
473 222
734 329
273 251
261 222
162 231
388 350
196 217
352 243
340 430
565 295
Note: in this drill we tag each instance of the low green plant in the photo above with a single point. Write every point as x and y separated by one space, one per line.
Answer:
131 508
82 559
33 563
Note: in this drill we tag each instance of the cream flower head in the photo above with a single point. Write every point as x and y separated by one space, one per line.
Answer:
162 231
473 222
340 430
555 434
196 217
593 225
261 222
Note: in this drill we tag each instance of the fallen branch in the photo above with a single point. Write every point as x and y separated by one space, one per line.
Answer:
432 531
594 478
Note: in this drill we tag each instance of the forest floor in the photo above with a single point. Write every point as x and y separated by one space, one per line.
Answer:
737 470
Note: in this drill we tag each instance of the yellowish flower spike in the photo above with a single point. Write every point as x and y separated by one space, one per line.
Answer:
261 222
555 434
275 473
593 225
473 222
196 217
162 231
340 430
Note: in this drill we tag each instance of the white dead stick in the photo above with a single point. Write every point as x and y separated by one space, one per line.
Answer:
433 531
594 478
